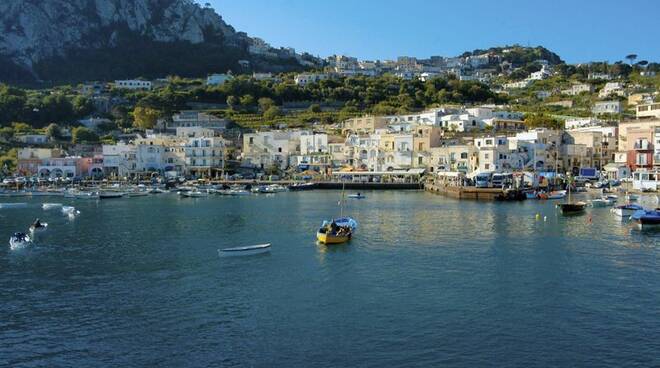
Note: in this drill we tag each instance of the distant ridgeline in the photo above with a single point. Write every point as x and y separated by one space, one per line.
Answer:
64 41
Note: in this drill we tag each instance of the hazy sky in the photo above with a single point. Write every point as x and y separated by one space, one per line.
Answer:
578 30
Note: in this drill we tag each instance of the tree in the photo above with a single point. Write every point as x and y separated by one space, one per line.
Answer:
542 121
21 128
266 103
272 113
8 161
84 135
631 58
6 133
232 101
53 131
247 101
315 108
145 117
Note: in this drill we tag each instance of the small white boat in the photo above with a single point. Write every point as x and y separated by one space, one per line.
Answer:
238 192
194 194
19 240
559 194
111 194
51 206
601 202
70 211
357 196
244 251
275 188
157 191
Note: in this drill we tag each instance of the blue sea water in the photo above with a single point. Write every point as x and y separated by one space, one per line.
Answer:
426 281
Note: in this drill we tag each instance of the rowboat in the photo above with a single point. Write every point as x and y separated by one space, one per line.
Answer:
244 251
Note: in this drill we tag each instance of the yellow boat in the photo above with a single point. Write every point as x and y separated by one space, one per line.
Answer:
327 238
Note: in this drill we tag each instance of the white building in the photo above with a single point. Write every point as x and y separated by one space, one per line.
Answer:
612 89
271 148
133 84
578 88
119 159
581 123
601 76
651 110
33 138
196 119
607 107
204 155
307 78
161 154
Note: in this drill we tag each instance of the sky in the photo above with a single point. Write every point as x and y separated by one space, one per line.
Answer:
577 30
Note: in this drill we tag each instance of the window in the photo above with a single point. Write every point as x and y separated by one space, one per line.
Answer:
487 166
486 156
279 149
464 155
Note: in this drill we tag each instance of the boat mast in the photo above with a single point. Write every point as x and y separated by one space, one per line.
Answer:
341 200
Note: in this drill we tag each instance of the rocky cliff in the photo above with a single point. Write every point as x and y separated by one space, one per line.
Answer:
74 39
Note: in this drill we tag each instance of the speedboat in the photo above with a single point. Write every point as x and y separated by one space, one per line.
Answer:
70 211
626 210
646 218
19 240
558 194
576 208
601 202
38 227
51 206
244 251
357 196
337 231
275 188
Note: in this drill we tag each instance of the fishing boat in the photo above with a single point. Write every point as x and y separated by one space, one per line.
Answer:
301 187
19 240
626 210
357 196
244 251
337 231
571 208
646 218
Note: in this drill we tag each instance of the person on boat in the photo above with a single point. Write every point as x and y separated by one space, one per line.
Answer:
37 224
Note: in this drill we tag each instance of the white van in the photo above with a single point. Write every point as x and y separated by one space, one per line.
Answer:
482 180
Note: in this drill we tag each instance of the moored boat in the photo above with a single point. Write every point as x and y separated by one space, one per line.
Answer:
572 208
557 194
357 196
194 194
626 210
301 186
646 218
337 231
601 202
244 251
111 194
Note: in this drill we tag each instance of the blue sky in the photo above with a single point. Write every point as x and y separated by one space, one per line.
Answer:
578 30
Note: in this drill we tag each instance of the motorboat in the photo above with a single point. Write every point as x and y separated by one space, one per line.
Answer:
357 196
626 210
275 188
301 187
244 251
86 195
111 194
558 194
337 231
194 194
238 192
601 202
646 218
70 211
19 240
51 206
38 227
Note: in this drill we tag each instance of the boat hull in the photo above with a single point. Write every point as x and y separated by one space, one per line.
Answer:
244 251
325 238
568 209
